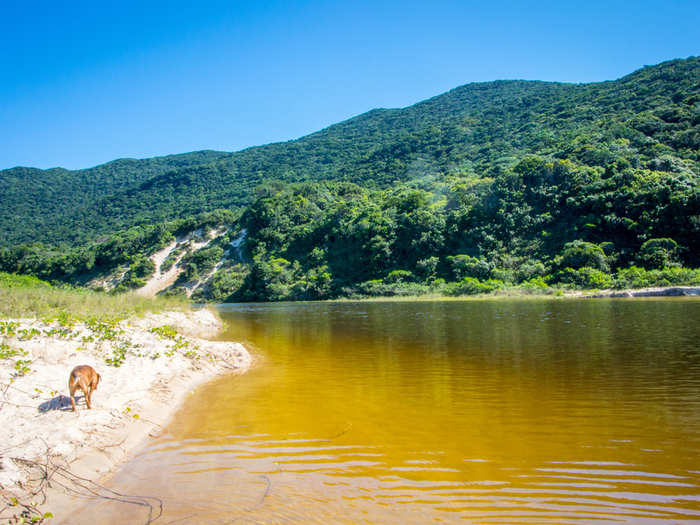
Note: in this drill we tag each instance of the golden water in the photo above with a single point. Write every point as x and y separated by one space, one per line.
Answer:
507 411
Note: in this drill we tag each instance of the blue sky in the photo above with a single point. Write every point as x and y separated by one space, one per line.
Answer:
82 83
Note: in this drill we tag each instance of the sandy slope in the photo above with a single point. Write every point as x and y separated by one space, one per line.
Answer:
40 435
159 281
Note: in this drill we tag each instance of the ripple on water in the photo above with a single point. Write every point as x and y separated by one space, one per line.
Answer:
486 412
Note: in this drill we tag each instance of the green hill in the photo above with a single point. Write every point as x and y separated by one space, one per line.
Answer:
503 169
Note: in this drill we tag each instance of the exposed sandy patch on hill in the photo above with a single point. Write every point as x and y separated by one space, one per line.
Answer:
162 280
232 254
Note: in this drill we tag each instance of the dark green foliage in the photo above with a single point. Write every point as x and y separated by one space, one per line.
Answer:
61 206
467 266
658 253
580 254
635 277
224 284
201 262
472 286
648 119
129 248
501 182
584 277
139 271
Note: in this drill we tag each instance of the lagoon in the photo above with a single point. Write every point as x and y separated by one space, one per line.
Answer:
488 411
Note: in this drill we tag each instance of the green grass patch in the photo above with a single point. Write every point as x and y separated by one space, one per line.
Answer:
25 296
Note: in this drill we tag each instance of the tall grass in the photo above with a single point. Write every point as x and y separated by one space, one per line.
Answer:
24 296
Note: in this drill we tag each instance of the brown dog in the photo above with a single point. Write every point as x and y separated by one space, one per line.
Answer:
85 378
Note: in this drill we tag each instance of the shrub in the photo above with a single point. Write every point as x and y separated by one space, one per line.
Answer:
398 276
530 269
507 275
472 286
582 254
379 288
426 268
658 253
467 266
632 277
636 277
535 284
585 277
226 282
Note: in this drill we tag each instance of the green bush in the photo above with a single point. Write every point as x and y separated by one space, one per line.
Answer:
636 277
379 288
530 269
585 277
507 275
581 254
398 276
467 266
472 286
226 283
535 284
11 280
658 253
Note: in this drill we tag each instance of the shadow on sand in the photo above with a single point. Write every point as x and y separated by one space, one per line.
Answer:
57 403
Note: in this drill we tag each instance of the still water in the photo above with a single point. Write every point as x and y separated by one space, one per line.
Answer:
493 411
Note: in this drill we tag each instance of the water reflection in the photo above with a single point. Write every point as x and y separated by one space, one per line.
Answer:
487 411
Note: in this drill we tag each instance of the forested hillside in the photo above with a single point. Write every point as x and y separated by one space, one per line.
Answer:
488 184
58 205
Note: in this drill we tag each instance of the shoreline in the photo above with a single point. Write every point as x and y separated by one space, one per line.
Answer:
658 291
52 457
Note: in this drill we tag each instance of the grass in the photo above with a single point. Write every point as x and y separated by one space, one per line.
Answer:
24 296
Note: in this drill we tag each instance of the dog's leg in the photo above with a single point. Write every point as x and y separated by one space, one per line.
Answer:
87 392
72 387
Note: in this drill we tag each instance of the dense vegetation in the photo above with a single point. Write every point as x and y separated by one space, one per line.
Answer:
490 184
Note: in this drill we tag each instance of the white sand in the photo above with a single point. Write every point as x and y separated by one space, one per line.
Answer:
159 281
132 401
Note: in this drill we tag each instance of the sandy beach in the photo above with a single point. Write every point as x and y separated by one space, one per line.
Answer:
51 457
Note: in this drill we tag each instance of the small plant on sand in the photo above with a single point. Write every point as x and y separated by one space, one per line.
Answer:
105 330
127 412
27 334
164 332
192 354
63 332
6 351
22 367
65 319
8 327
119 354
179 342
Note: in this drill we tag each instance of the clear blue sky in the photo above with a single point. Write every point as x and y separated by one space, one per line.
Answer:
82 83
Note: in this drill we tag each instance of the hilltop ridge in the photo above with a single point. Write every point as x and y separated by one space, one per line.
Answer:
507 172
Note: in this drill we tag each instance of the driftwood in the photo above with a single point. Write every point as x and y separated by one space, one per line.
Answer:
24 508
